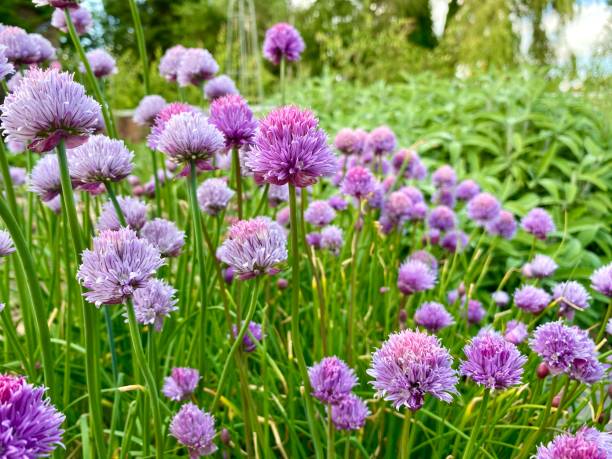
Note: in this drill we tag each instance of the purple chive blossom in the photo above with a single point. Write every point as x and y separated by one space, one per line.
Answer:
148 108
282 41
425 257
492 362
154 302
467 189
337 203
454 241
531 299
67 4
278 194
134 211
413 193
542 266
254 331
219 86
415 276
410 365
444 176
30 116
413 169
291 148
196 66
349 142
433 316
601 280
100 160
164 236
376 199
500 298
254 247
30 425
319 213
539 223
214 195
162 118
6 243
442 218
45 178
314 240
81 19
483 208
504 225
332 380
6 68
195 430
46 51
609 327
452 296
516 332
169 62
358 182
475 312
20 48
587 443
332 239
101 62
444 196
282 217
381 140
233 117
117 265
181 383
190 137
396 211
350 413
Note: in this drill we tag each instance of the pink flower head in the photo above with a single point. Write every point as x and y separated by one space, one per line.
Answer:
282 41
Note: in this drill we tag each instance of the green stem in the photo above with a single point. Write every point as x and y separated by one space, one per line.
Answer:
282 80
353 289
113 198
13 340
475 430
262 201
141 44
405 439
237 179
602 329
8 182
158 206
331 450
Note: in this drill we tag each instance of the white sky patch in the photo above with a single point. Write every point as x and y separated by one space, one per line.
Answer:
439 11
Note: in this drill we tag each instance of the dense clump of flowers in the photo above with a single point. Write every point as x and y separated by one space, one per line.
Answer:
332 239
164 236
411 162
467 189
492 361
319 213
148 108
454 241
250 339
194 429
601 280
118 264
45 178
134 212
6 243
154 302
233 117
531 299
415 276
433 316
282 41
358 182
444 176
504 225
350 413
254 247
381 140
332 380
538 222
47 107
483 208
540 267
181 383
587 443
570 296
162 118
214 195
30 426
410 365
219 86
6 68
20 49
349 142
81 19
291 148
442 218
196 65
169 62
101 62
516 332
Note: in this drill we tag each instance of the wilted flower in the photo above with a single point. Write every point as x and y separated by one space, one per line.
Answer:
101 62
196 65
350 413
6 68
45 178
516 332
214 195
233 117
538 222
6 243
358 182
332 380
194 429
467 189
162 118
349 142
410 365
504 225
415 276
181 383
169 62
134 212
148 108
500 298
433 316
81 19
587 443
542 266
254 332
381 140
571 296
475 311
531 299
154 302
483 208
332 239
444 176
442 218
282 41
601 280
164 236
30 116
219 86
319 213
278 194
454 241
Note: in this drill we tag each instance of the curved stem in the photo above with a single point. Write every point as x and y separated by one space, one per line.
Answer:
158 206
113 198
262 201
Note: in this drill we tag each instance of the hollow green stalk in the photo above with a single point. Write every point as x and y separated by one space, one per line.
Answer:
140 39
283 82
475 430
237 179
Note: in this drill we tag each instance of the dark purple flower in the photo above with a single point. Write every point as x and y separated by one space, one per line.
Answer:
68 4
214 195
291 148
467 189
349 141
194 429
381 140
81 19
233 117
587 443
415 276
332 380
134 211
358 182
6 243
504 225
332 239
45 178
538 222
219 86
282 41
181 383
601 280
442 218
30 426
154 302
475 311
413 169
164 236
571 296
101 62
483 208
433 316
169 62
516 332
148 109
196 65
492 361
444 176
337 202
531 299
30 116
410 365
350 413
319 213
254 332
454 241
118 264
500 298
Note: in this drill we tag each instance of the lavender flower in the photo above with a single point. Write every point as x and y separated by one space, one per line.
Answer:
101 62
500 298
118 264
194 429
475 312
516 332
542 266
6 243
350 413
539 223
134 211
45 49
587 443
196 66
81 19
483 208
254 332
531 299
169 62
414 168
45 178
415 276
332 380
454 241
219 86
413 193
233 117
282 217
493 362
433 316
444 176
337 203
148 109
504 225
442 218
254 247
409 365
319 213
162 118
6 68
396 210
425 257
570 296
444 196
20 48
358 182
290 148
164 236
601 280
381 140
30 116
31 425
467 189
282 41
332 239
154 302
214 195
181 383
349 142
278 194
314 240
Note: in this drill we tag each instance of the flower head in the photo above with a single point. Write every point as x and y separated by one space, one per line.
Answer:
531 299
349 142
81 19
425 257
542 266
381 140
154 302
291 148
162 118
67 4
504 225
358 182
181 383
233 117
195 66
254 332
20 48
169 62
454 241
411 162
467 189
332 239
282 41
350 413
442 218
396 210
415 276
46 108
410 365
538 222
194 429
500 298
516 332
219 86
433 316
331 379
214 195
601 280
483 208
319 213
475 311
587 443
6 68
444 176
118 264
278 194
45 178
148 108
445 196
6 243
134 211
337 202
101 62
571 296
164 236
